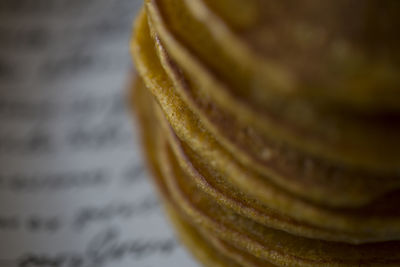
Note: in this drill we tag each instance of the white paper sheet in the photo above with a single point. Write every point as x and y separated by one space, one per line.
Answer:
73 189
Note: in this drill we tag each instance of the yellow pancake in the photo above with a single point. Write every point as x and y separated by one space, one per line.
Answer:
231 197
265 243
381 221
312 178
209 249
191 239
365 142
206 248
202 249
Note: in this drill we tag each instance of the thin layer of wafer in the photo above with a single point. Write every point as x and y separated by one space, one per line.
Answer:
231 197
197 246
208 248
265 243
237 255
205 248
231 253
364 142
202 249
312 178
383 225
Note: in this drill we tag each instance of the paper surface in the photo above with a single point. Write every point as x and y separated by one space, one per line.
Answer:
73 188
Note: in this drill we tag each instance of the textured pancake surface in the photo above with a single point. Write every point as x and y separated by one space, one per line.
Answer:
364 141
310 177
364 221
259 156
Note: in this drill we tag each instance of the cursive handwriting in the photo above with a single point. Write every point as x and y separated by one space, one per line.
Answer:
106 247
89 215
31 182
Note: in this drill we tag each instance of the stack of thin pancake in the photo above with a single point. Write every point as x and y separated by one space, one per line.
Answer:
273 127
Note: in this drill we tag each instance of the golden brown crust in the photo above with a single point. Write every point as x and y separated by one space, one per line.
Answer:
189 129
230 204
363 142
310 177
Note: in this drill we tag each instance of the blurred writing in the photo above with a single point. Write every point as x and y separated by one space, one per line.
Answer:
73 191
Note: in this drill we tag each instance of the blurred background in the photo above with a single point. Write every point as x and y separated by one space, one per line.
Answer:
73 187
